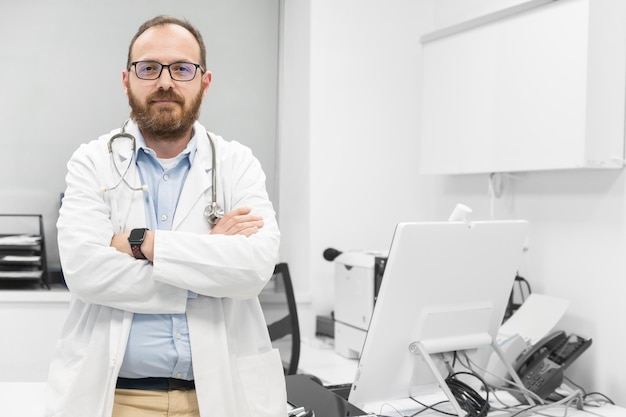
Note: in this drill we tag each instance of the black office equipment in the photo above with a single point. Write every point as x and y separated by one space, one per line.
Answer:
302 391
541 366
285 330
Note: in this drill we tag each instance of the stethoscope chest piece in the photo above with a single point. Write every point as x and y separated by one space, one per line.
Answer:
213 213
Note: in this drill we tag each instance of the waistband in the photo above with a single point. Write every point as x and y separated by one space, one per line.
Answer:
162 384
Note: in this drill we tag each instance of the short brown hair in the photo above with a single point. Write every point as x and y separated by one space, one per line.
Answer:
169 20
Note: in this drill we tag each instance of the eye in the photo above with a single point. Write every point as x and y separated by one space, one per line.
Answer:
183 68
148 67
184 71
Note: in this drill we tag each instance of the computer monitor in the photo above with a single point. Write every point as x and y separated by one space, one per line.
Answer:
445 285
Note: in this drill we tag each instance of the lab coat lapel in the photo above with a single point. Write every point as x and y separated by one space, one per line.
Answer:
197 185
127 206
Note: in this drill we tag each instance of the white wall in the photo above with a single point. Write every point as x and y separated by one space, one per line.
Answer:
349 139
61 64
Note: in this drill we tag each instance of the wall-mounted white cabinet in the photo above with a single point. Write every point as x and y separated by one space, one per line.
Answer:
538 86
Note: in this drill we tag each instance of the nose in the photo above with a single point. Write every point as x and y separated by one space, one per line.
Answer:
165 79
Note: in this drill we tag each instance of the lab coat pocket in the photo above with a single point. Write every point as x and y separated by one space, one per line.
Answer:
65 369
263 384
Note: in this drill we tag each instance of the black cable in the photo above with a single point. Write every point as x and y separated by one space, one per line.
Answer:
512 306
454 358
569 381
431 407
606 398
586 395
529 408
520 279
469 400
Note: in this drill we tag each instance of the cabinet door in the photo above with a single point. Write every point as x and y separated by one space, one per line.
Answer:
533 87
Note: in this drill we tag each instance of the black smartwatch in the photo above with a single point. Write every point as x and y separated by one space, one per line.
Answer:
135 239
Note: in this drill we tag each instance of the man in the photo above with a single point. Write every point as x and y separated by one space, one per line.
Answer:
164 318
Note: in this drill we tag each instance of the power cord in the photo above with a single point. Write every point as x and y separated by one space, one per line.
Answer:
511 386
592 399
467 397
431 407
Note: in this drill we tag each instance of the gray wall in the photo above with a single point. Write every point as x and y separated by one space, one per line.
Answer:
61 64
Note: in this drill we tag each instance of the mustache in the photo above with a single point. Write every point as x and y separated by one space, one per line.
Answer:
166 95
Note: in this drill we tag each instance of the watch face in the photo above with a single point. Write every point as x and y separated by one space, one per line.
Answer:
137 235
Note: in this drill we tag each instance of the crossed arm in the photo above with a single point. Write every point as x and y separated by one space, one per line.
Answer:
236 222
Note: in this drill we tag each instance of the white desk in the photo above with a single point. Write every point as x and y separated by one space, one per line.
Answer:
319 358
23 399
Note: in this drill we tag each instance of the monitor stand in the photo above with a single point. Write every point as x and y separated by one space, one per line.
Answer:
418 348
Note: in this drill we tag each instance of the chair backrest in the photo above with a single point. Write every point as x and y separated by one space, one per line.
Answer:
283 325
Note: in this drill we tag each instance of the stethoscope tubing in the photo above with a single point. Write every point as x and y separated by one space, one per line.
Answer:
212 212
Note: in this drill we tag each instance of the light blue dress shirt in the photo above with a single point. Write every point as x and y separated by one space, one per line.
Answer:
158 345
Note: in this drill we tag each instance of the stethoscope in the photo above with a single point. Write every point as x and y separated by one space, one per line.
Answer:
212 212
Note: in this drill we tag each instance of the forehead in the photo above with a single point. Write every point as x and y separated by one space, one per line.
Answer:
166 43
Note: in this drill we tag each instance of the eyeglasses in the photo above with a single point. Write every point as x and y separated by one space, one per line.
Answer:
179 71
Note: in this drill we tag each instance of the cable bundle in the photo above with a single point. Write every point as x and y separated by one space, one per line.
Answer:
469 400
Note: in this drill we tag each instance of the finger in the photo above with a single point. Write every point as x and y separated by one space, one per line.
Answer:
247 232
233 214
238 227
227 223
232 225
239 211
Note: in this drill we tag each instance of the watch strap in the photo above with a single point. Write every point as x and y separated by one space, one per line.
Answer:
137 253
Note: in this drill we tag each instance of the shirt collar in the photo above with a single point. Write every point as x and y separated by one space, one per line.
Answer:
190 150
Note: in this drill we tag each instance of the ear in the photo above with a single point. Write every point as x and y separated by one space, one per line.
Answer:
125 78
206 82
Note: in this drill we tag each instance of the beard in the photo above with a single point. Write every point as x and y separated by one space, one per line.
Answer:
164 122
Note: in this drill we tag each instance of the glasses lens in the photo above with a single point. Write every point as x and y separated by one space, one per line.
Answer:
183 71
148 70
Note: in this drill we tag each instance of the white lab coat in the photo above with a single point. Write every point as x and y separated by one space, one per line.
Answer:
237 373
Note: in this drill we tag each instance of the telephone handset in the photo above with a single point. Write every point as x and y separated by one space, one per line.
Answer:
541 366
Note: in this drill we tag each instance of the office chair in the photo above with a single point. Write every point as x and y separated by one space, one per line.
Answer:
285 328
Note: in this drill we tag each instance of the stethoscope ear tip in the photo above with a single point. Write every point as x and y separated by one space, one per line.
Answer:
144 188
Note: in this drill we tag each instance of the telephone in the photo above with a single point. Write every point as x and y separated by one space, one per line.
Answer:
540 366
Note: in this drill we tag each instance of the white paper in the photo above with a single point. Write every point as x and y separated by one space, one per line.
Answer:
535 318
20 258
19 240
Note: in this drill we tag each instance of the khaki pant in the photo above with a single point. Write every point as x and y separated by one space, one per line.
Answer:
147 403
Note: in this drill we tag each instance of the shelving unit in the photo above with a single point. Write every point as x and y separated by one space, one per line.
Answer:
22 251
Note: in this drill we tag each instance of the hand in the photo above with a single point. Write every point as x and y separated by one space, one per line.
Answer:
238 222
120 242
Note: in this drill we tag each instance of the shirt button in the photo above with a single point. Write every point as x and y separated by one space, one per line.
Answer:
179 375
178 336
163 217
166 177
